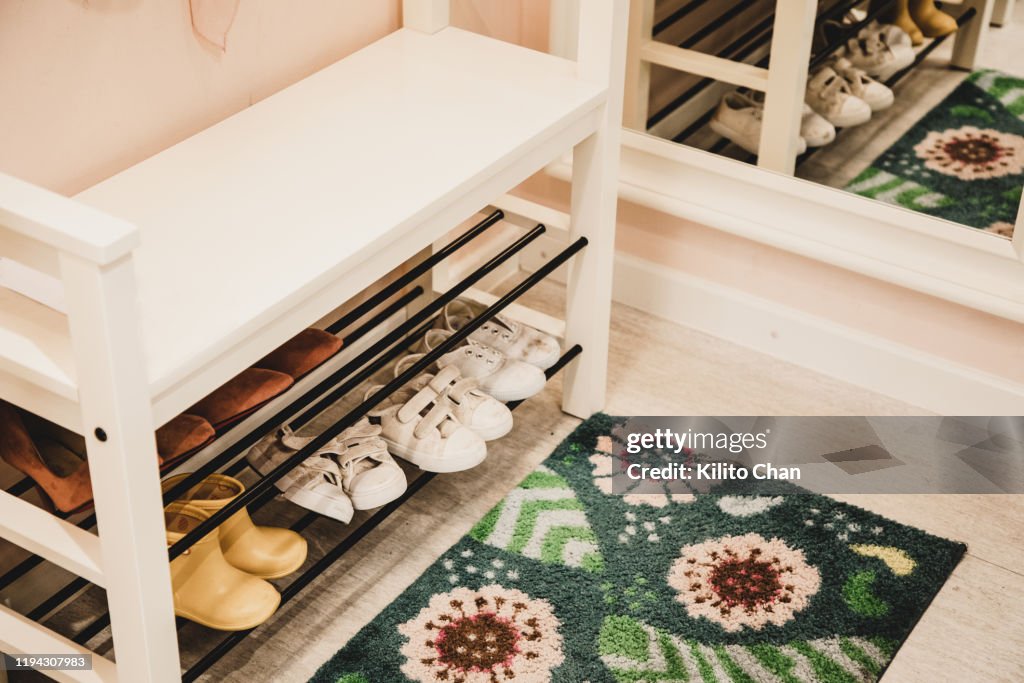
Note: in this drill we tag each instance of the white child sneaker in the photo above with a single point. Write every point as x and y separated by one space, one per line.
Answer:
369 475
815 129
420 428
880 50
316 484
514 339
488 417
829 95
877 96
738 119
503 378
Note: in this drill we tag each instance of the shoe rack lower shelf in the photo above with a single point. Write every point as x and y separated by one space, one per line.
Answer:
313 402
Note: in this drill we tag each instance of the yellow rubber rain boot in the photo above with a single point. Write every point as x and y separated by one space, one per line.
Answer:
898 14
207 589
932 21
263 551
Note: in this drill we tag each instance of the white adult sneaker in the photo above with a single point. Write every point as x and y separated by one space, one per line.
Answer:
369 475
316 484
829 95
503 378
488 417
514 339
738 118
420 428
877 96
815 129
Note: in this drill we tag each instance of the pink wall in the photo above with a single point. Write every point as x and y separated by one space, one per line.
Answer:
88 87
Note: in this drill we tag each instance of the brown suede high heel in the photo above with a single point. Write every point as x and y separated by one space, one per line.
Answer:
241 396
59 473
302 353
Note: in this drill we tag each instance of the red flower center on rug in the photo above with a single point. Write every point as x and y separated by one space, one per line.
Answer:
481 642
748 583
977 150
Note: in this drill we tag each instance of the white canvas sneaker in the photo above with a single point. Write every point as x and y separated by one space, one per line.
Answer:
369 475
488 417
514 339
815 129
877 96
738 119
880 50
829 95
421 429
316 484
503 378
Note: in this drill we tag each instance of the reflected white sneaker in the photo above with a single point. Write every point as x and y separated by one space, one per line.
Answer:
877 96
421 429
316 484
488 417
880 50
815 129
738 119
514 339
503 378
829 95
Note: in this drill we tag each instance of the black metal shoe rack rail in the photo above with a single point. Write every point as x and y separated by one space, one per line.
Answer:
747 45
305 407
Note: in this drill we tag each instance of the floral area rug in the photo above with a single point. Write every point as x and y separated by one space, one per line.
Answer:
565 581
964 161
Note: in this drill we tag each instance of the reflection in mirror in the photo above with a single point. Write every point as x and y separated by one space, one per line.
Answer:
915 103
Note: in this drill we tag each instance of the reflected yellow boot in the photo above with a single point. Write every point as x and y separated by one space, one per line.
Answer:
263 551
207 589
932 21
898 14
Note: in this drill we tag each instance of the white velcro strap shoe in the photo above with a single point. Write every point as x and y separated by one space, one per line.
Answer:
369 475
316 484
514 339
829 95
488 417
502 377
877 96
739 118
815 129
422 429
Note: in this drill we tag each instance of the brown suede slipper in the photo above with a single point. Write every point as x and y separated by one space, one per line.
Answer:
302 353
59 473
182 437
241 396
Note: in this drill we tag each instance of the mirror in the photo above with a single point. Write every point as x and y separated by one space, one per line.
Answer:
912 103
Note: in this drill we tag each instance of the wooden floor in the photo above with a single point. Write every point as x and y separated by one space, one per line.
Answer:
974 631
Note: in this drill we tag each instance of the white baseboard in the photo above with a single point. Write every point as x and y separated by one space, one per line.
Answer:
865 360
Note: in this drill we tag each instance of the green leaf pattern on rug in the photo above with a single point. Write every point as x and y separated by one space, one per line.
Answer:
566 581
963 161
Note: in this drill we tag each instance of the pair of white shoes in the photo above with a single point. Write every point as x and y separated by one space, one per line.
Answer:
441 421
880 50
354 471
844 95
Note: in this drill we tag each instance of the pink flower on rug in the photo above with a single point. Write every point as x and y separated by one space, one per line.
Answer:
743 581
971 154
1001 228
481 636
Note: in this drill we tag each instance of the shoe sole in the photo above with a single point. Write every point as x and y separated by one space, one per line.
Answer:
328 506
522 395
440 464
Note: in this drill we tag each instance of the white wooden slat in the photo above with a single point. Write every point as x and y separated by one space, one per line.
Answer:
527 214
62 223
971 37
21 635
520 313
60 542
703 64
638 70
